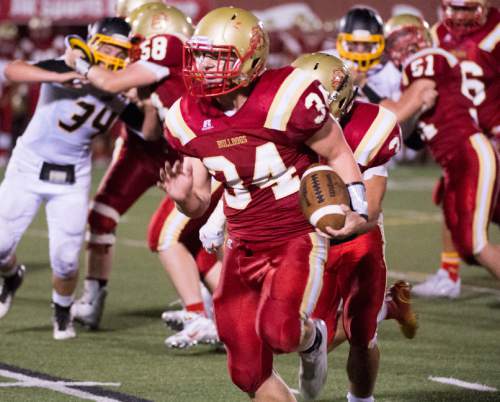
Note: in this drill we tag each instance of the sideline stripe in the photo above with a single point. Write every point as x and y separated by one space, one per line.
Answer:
62 385
463 384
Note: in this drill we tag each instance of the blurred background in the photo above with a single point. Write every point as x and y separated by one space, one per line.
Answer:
34 30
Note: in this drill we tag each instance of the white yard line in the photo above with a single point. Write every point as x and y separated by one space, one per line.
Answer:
463 384
57 386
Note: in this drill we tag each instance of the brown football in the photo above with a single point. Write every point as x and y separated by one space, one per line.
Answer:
321 193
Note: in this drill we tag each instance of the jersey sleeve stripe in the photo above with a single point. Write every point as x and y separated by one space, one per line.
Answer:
176 124
375 136
491 40
485 186
286 98
317 260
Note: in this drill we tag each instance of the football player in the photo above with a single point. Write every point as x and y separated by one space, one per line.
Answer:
51 164
471 32
458 145
159 33
361 44
257 131
356 269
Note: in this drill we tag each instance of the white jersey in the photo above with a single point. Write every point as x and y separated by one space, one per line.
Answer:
383 79
64 123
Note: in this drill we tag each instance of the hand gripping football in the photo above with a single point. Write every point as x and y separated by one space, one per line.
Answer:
322 191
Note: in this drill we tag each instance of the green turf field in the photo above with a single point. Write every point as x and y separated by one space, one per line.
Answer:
459 339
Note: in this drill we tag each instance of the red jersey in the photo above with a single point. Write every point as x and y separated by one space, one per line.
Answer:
165 51
478 54
448 124
258 153
373 134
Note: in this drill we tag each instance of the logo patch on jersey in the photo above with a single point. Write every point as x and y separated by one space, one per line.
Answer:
231 142
207 125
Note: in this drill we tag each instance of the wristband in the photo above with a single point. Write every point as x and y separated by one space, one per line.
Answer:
82 66
357 193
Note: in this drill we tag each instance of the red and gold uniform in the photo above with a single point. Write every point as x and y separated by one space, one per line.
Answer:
466 156
478 53
273 263
356 270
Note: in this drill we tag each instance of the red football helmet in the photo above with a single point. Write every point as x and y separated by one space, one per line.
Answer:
405 34
462 17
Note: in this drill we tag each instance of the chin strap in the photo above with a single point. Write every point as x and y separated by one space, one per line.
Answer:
357 193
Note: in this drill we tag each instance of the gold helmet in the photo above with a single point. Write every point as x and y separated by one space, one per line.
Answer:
361 38
462 17
334 75
406 34
236 42
125 7
109 31
157 18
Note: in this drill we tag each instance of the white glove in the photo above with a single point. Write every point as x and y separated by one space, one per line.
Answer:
212 232
211 238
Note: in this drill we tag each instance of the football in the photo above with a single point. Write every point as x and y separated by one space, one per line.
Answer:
321 193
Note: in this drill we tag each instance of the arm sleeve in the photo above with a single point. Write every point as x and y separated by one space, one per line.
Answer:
133 117
309 114
161 72
55 65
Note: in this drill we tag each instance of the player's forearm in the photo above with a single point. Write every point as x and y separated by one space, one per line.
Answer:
411 101
21 72
343 162
375 191
194 205
106 80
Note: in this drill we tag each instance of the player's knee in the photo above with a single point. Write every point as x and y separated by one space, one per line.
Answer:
101 233
100 223
279 327
247 378
64 260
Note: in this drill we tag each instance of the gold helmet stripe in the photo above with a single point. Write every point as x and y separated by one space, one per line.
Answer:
286 99
375 136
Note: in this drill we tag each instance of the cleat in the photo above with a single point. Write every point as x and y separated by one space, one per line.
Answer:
314 366
438 285
63 323
88 309
201 330
177 320
399 303
9 288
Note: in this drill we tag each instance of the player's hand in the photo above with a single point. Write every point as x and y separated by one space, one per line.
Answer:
212 238
69 78
354 224
176 180
70 56
429 97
